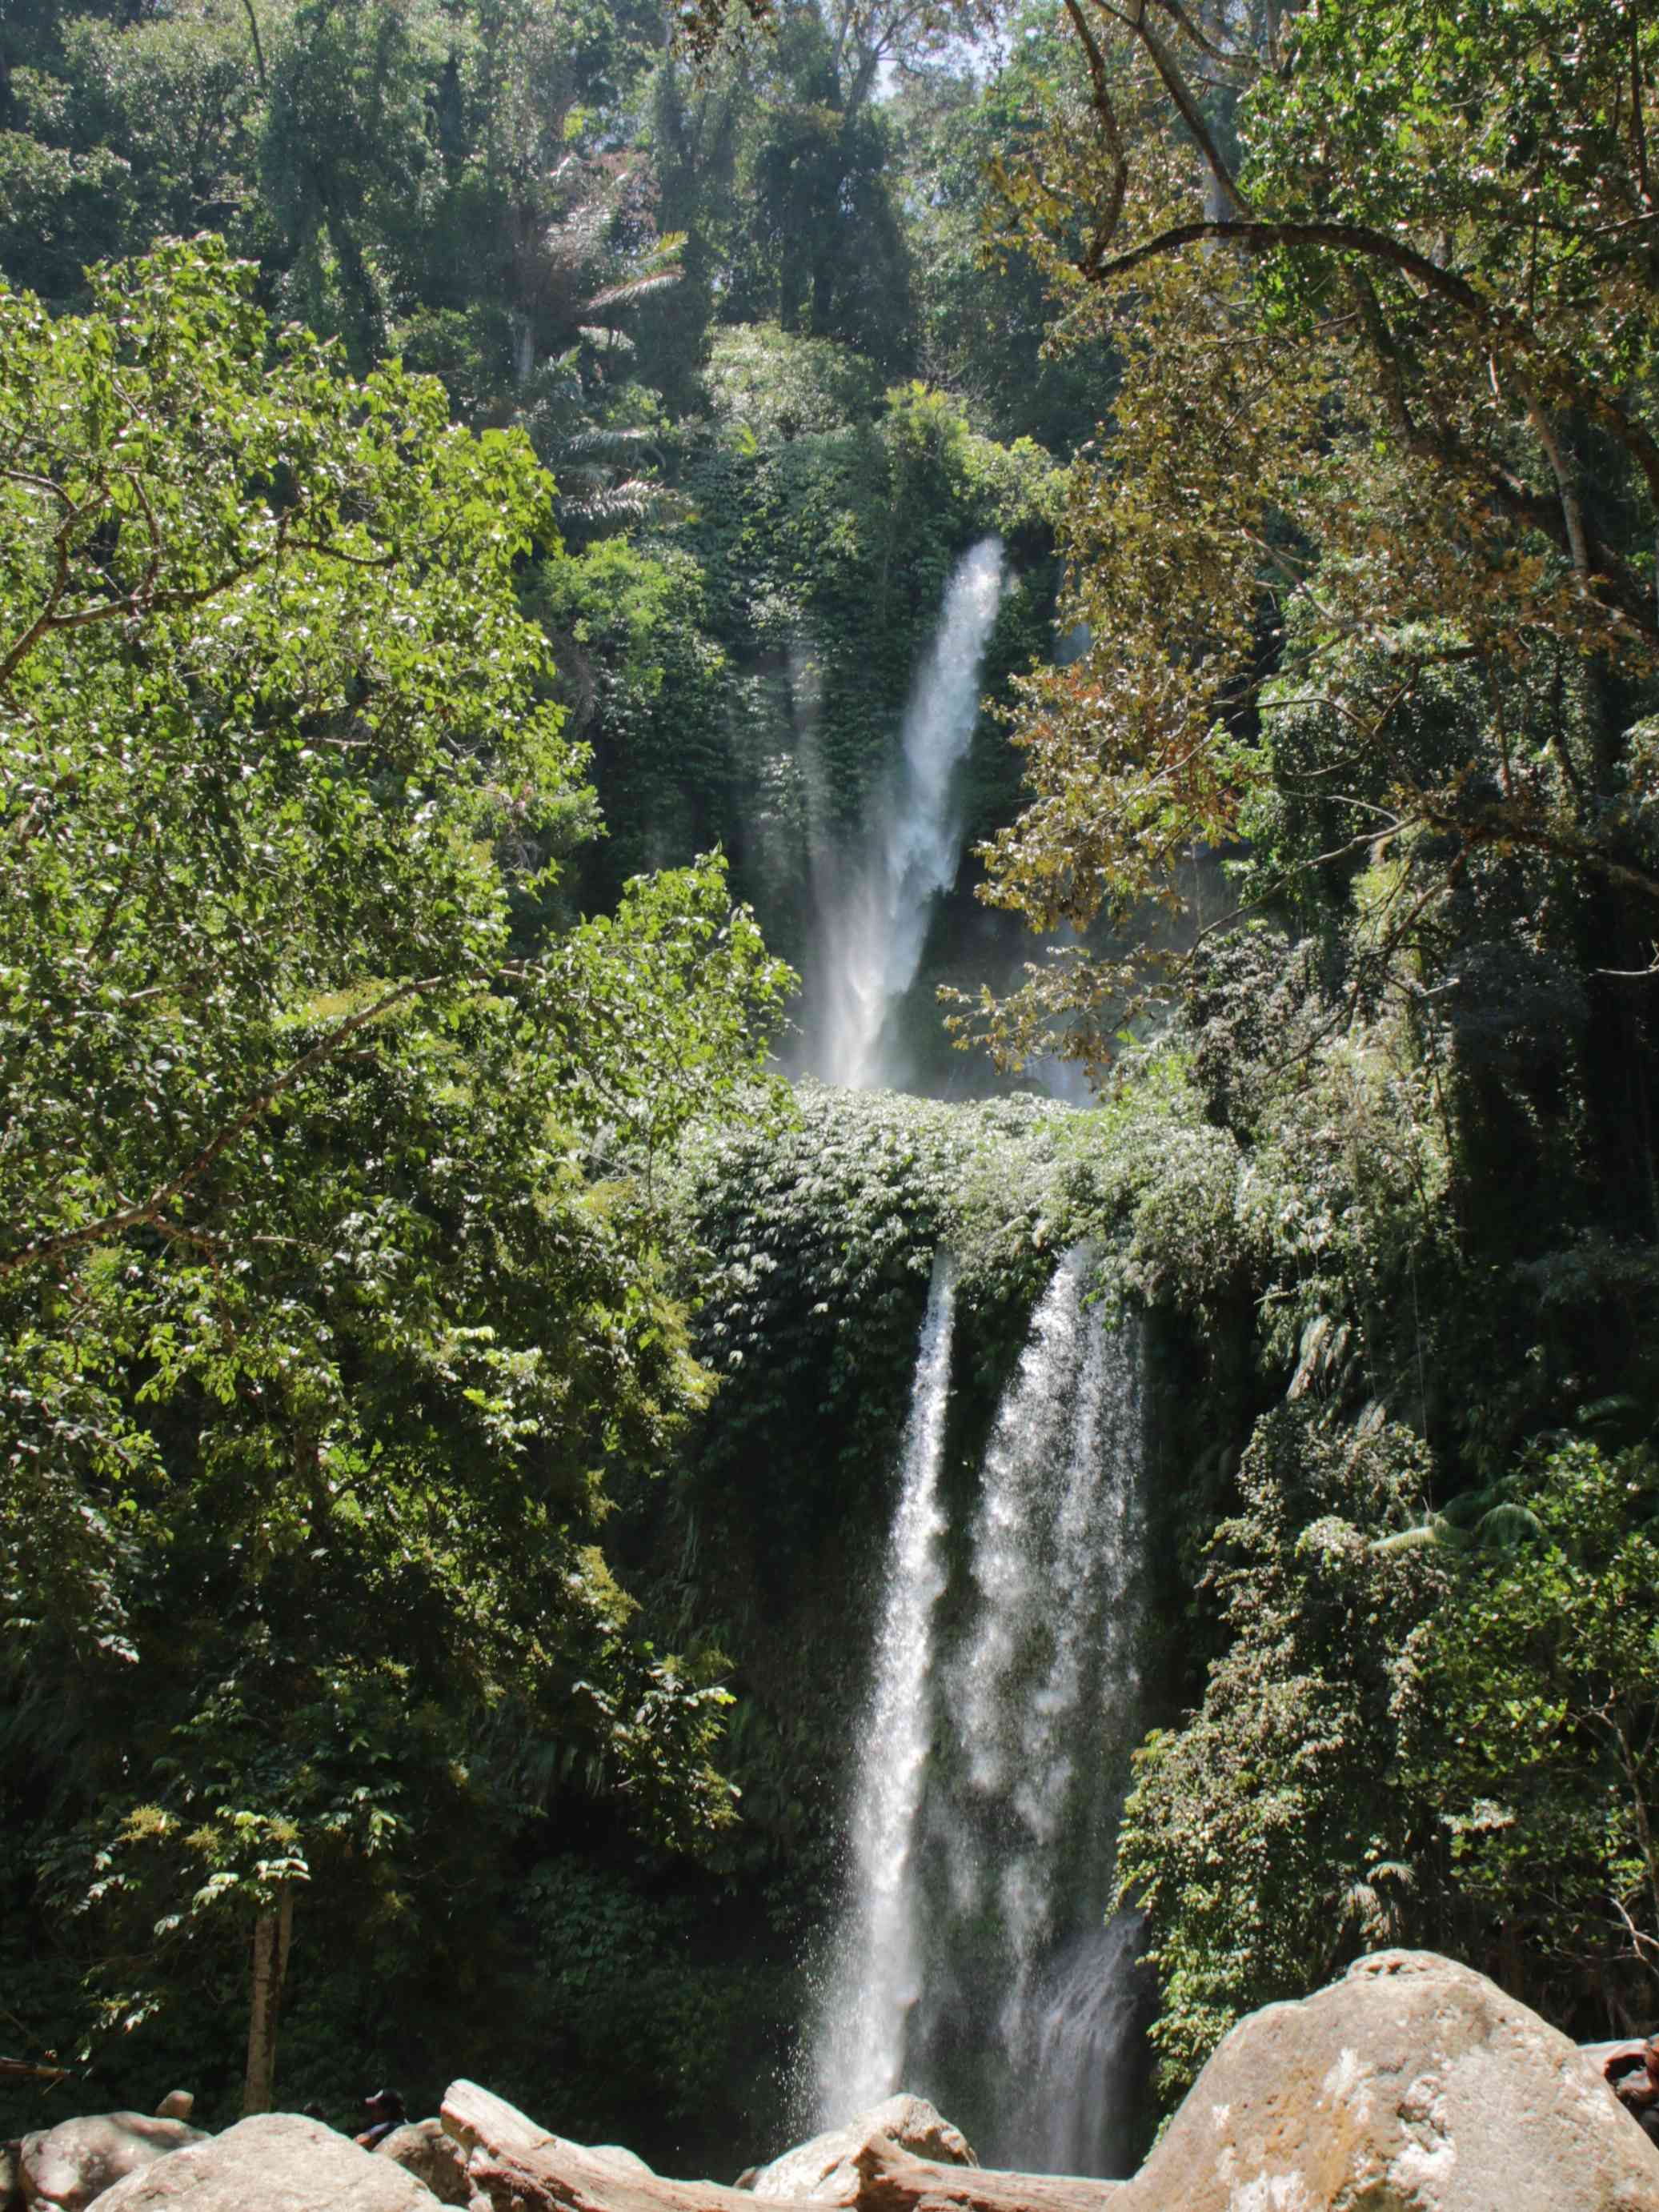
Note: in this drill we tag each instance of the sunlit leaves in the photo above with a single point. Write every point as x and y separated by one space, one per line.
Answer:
318 1342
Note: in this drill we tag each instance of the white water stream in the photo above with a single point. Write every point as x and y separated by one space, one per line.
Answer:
874 1980
975 1965
873 937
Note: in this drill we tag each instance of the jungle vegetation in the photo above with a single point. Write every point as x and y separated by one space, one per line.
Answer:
476 477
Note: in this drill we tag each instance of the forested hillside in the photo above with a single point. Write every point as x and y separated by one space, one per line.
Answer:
478 484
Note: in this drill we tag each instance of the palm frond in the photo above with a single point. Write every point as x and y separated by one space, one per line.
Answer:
632 290
602 440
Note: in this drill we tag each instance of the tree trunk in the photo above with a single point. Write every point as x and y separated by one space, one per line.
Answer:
273 1931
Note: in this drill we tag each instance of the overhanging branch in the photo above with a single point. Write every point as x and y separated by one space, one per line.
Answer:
1548 374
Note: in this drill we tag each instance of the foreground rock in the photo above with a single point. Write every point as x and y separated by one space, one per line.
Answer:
274 2162
422 2147
1413 2084
825 2170
69 2166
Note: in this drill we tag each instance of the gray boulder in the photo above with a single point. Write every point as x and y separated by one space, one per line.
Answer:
422 2148
1412 2085
822 2171
272 2162
70 2165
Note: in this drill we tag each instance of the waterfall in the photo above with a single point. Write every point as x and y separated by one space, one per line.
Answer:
874 1981
872 940
1007 2000
1097 2000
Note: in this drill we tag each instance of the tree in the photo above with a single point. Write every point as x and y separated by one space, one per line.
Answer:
1387 397
984 311
1269 1837
1535 1738
318 1339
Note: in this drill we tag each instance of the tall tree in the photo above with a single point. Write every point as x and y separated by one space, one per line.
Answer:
318 1344
1393 390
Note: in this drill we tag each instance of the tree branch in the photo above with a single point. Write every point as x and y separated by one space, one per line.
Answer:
1561 520
1187 104
1100 99
1256 236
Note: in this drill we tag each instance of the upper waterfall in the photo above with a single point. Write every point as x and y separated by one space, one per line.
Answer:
873 935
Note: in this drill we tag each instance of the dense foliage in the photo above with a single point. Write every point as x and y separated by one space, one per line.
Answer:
390 1203
334 1266
320 1338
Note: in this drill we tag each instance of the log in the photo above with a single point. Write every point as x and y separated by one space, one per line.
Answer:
521 2168
892 2180
25 2070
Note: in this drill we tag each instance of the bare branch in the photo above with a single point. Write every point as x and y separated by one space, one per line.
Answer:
1187 104
1100 99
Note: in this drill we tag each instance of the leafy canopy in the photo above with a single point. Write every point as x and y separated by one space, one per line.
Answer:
1383 284
318 1339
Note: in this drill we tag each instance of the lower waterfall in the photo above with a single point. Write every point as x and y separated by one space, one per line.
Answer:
1020 2004
873 1981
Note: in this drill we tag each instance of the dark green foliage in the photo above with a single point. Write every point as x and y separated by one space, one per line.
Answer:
320 1335
824 1238
646 687
1534 1738
1269 1837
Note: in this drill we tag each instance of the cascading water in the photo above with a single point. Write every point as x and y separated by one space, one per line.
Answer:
1025 2005
1090 2017
874 1980
873 939
1044 1685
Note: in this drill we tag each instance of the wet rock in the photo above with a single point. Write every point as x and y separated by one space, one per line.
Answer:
825 2172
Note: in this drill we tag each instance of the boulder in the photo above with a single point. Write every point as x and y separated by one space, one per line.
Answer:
618 2157
824 2170
272 2162
70 2165
1412 2085
422 2147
